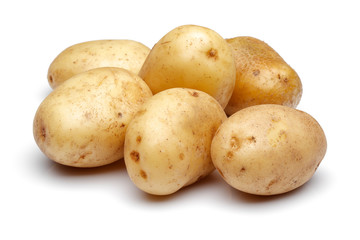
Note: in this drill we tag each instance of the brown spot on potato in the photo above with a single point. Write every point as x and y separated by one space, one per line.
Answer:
143 174
83 156
212 53
135 156
43 133
235 142
194 93
243 169
51 79
256 72
272 182
229 155
122 125
138 139
181 156
251 139
119 115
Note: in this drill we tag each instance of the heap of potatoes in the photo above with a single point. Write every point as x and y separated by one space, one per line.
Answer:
193 103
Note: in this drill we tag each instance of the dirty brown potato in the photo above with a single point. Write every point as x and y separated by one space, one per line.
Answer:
84 56
82 123
193 57
262 76
167 144
268 149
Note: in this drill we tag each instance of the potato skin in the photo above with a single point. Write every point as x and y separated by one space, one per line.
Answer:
262 76
82 123
84 56
167 144
268 149
193 57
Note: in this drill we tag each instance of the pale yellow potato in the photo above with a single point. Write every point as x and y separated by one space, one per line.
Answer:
262 76
84 56
82 123
193 57
268 149
167 144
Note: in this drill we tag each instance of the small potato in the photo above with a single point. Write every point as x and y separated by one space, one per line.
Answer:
167 144
268 149
82 123
262 76
84 56
192 57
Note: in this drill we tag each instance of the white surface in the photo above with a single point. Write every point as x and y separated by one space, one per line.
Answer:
43 200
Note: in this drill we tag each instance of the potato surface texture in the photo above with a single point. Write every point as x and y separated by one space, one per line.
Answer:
268 149
193 57
262 76
82 123
167 144
84 56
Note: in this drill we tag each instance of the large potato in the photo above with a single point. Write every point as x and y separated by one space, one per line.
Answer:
167 144
82 123
84 56
262 76
192 57
268 149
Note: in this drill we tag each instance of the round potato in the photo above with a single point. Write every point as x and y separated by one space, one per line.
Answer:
84 56
268 149
262 76
82 123
193 57
167 144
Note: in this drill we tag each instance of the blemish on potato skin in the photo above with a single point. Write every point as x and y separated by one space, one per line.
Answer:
135 156
119 115
212 53
43 133
235 143
194 94
138 139
229 155
143 174
256 72
272 182
181 156
251 139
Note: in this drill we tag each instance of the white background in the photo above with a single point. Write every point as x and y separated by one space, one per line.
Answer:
43 200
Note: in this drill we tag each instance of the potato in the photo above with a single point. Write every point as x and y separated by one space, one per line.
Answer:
268 149
262 76
84 56
82 123
193 57
167 144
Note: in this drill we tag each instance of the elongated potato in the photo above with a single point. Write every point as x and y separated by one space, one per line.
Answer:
194 57
167 144
84 56
262 76
82 123
268 149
